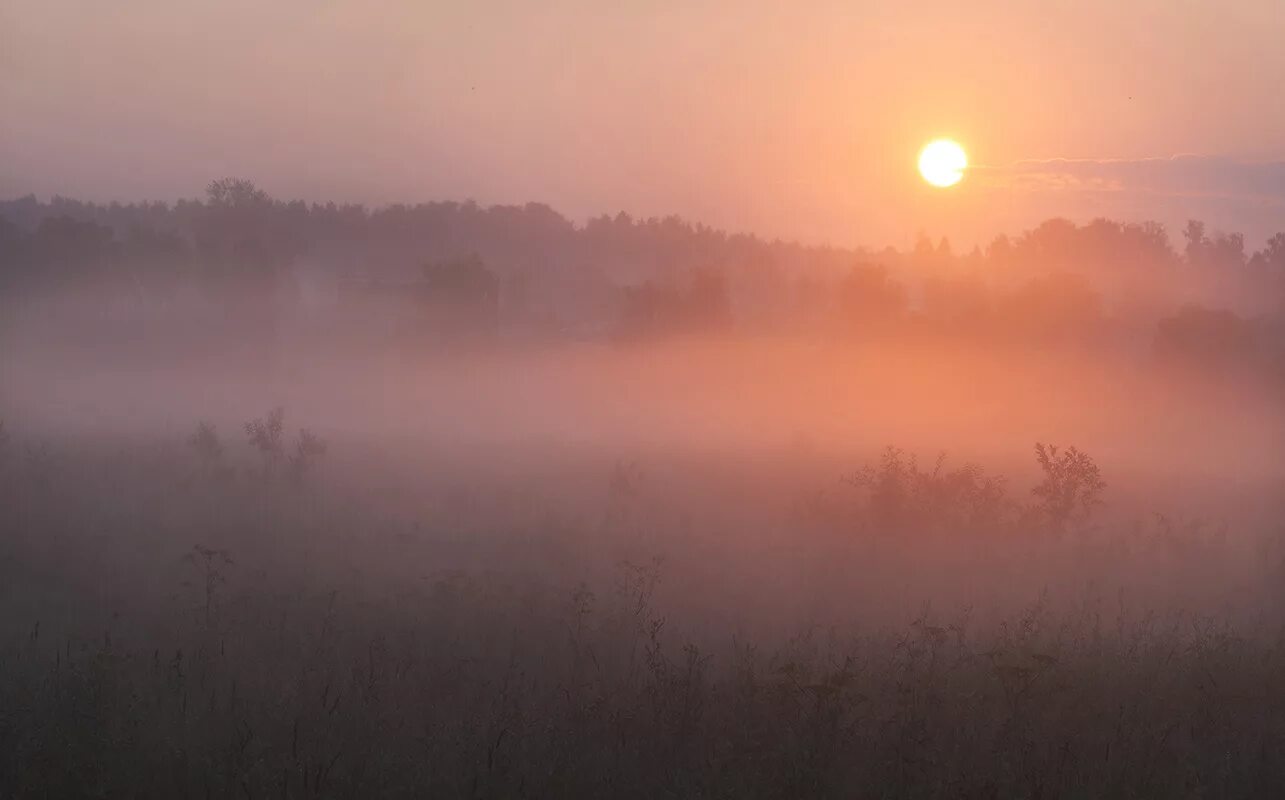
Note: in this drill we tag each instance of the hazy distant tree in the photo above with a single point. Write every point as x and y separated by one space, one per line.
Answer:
1197 244
458 296
1053 245
707 301
1000 250
1062 304
242 251
155 261
1267 270
236 193
868 297
1227 250
924 251
1205 337
1273 254
647 309
655 308
1222 250
65 249
961 304
1151 240
463 276
13 256
234 230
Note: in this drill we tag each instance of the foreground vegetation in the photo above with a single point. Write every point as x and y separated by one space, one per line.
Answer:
180 622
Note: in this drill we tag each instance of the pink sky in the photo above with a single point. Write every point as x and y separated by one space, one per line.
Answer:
798 122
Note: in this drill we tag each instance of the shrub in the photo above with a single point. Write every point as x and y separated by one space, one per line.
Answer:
308 449
1071 488
205 441
266 435
903 498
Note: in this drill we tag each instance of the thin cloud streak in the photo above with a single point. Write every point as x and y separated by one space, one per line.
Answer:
1182 175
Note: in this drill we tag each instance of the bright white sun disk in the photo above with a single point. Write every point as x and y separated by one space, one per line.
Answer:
942 162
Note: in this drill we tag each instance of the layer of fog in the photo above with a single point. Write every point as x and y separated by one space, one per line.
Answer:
735 452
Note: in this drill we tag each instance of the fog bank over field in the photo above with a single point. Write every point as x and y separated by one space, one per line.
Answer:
734 396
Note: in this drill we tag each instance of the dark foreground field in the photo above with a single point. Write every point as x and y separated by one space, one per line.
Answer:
233 616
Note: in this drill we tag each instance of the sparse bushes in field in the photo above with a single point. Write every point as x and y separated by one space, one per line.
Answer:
206 444
495 682
902 497
266 435
308 449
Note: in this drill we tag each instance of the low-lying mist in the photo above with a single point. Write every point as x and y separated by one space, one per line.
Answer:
700 565
737 455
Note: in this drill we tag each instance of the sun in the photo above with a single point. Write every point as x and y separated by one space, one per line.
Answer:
942 162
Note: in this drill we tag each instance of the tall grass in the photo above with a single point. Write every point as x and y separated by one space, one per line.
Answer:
168 632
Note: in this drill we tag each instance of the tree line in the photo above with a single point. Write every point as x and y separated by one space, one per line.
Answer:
1207 296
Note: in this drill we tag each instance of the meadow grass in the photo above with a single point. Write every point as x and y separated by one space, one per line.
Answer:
204 621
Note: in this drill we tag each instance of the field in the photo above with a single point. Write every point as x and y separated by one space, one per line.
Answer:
480 608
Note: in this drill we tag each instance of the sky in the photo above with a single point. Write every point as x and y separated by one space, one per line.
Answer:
797 120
